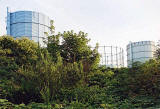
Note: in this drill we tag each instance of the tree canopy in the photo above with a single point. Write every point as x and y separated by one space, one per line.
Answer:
66 74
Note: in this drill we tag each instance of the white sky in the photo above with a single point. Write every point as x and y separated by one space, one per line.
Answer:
108 22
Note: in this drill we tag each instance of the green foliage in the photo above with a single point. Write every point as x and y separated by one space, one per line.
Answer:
46 78
100 78
4 104
76 105
136 87
23 51
66 75
74 48
89 96
13 54
72 74
53 46
42 78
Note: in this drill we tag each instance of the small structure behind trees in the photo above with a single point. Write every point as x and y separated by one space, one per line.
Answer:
157 53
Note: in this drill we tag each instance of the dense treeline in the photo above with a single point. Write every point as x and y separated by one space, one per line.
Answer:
67 75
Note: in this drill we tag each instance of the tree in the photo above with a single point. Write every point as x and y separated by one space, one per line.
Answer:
75 48
42 78
14 53
46 77
53 46
23 51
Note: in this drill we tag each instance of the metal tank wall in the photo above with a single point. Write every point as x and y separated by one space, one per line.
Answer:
28 23
140 51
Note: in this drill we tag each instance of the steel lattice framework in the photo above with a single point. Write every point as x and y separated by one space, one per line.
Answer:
111 56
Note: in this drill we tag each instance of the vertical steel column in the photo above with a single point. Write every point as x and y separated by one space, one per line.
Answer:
38 29
122 58
105 55
102 57
116 57
111 57
107 60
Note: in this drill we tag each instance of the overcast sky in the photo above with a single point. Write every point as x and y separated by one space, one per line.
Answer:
108 22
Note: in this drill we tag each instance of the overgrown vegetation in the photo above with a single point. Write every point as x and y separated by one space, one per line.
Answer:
67 75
